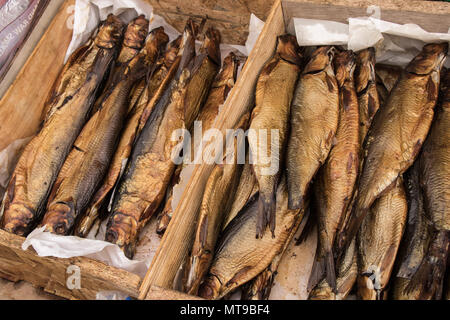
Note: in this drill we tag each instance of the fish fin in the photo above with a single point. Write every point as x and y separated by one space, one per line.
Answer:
266 215
323 268
311 222
317 273
430 275
330 270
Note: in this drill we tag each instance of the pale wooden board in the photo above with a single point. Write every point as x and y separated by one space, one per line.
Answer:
21 106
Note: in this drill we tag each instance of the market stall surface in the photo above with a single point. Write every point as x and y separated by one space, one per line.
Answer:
23 291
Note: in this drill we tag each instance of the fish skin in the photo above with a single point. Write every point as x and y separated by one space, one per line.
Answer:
89 160
416 239
164 71
239 256
378 241
387 75
43 157
143 185
316 95
273 96
366 89
397 133
215 204
336 179
133 42
221 87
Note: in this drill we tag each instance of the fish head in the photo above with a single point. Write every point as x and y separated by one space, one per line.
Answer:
60 218
344 63
18 219
156 42
136 33
122 230
288 49
365 68
320 59
187 48
230 67
110 32
172 51
211 45
322 291
431 58
210 288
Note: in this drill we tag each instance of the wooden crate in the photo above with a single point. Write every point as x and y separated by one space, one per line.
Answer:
21 111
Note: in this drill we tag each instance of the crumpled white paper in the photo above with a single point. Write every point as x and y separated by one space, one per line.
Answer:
395 44
47 244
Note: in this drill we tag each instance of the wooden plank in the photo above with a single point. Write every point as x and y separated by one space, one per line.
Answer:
231 17
21 106
431 16
178 238
51 273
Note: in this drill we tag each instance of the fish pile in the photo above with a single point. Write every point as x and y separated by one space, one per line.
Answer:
363 154
359 151
104 150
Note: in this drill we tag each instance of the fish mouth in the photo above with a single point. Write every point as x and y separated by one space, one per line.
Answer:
209 289
59 219
122 230
431 58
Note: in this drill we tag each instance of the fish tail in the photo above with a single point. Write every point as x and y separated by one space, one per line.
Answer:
311 222
428 279
323 268
266 215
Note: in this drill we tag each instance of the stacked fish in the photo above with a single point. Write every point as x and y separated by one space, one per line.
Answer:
104 151
349 132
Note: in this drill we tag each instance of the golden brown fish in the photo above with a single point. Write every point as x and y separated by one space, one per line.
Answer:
239 256
69 104
220 89
215 204
133 42
88 162
397 133
273 97
335 182
163 73
151 165
378 241
434 179
314 121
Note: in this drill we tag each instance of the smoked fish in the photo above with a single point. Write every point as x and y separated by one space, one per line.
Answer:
386 78
239 256
397 133
144 182
89 160
378 241
221 87
68 108
162 73
333 188
314 121
273 96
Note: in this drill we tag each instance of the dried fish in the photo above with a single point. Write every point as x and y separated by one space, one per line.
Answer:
273 97
397 133
88 162
69 103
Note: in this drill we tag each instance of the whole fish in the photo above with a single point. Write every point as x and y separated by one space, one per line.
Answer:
366 89
273 97
415 241
386 78
215 204
314 121
70 102
163 73
434 179
335 182
378 241
133 42
397 133
88 162
239 256
222 85
151 165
